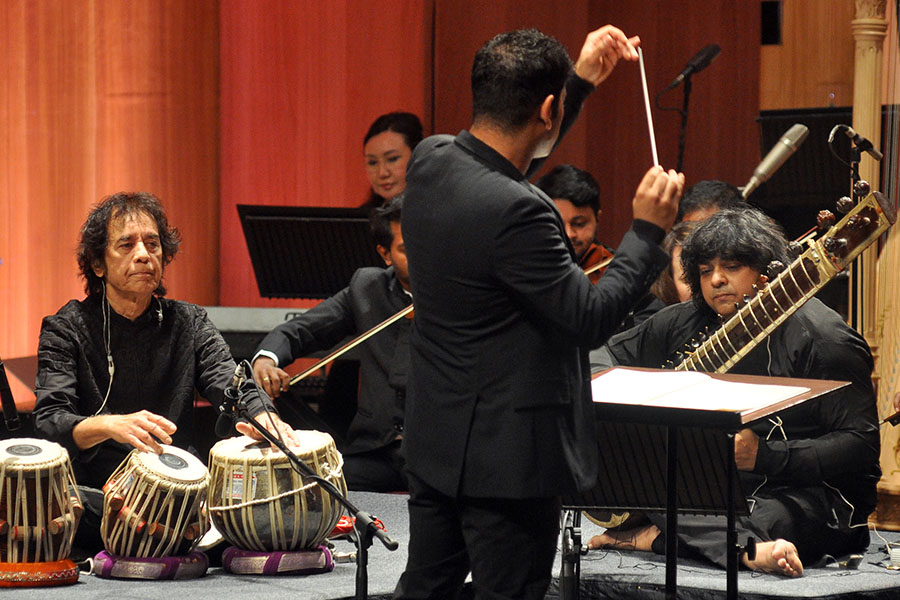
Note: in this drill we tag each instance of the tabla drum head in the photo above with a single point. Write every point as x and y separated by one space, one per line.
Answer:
29 452
246 447
174 464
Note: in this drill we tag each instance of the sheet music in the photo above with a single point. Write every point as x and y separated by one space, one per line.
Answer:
686 389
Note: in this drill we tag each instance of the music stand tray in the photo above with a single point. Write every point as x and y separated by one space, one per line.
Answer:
642 439
306 252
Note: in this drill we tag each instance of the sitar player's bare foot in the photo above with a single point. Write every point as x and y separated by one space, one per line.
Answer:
640 538
779 557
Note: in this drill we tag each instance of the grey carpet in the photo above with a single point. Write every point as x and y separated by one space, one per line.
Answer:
604 575
624 575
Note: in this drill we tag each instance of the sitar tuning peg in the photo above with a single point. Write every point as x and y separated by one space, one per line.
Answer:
795 248
859 222
861 188
844 205
825 219
774 268
746 298
834 245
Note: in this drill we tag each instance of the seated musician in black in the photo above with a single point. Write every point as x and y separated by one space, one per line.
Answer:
810 472
372 458
704 198
119 369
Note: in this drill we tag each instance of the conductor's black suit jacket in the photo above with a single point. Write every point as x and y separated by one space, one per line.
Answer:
498 397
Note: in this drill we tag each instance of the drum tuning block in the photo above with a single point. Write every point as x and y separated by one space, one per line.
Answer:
131 519
60 523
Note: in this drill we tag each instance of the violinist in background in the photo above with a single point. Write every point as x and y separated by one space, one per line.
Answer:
372 459
577 196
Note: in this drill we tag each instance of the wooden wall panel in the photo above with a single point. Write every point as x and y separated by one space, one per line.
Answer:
157 124
463 26
301 82
610 140
98 96
722 140
813 66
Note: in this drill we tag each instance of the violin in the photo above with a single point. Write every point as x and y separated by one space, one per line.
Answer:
595 261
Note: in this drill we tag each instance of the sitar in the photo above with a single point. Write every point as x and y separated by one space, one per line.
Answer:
787 291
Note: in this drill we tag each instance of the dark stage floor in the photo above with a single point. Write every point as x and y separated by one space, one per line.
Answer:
624 575
605 574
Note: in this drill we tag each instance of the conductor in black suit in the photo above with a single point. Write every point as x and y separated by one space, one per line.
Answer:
498 419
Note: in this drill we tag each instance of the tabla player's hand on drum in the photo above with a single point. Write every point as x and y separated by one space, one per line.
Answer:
272 423
144 430
269 377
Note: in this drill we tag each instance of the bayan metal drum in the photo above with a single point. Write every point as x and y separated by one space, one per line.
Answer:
259 502
154 505
39 512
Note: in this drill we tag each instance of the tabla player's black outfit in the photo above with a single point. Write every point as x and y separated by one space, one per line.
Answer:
160 359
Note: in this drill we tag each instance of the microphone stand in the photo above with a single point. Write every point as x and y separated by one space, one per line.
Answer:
855 158
364 524
684 120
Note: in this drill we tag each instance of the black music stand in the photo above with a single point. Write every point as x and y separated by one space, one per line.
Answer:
694 448
306 252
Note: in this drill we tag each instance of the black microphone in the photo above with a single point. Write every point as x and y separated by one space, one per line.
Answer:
238 379
776 157
860 142
224 424
700 61
10 413
225 420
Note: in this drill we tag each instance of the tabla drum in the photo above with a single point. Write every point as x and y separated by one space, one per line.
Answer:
39 512
154 505
259 502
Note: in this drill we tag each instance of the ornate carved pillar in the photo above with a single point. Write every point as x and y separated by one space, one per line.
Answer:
869 30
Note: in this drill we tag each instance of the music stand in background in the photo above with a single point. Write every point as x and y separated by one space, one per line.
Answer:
644 446
306 252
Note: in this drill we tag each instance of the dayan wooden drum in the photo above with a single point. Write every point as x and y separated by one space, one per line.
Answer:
39 503
154 505
260 503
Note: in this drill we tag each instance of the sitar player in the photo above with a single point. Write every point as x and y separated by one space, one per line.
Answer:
811 471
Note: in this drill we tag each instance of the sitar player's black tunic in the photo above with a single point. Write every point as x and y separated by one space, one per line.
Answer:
817 467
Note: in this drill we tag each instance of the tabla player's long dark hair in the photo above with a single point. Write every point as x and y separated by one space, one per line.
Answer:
95 233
